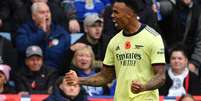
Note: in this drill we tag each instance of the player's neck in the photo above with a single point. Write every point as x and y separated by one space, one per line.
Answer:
133 27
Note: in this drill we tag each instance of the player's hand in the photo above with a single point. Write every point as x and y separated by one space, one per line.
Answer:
137 87
71 78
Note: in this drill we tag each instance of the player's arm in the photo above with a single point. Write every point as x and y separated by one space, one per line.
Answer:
106 75
158 64
159 79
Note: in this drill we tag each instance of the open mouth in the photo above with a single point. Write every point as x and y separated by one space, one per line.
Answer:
83 63
97 33
47 19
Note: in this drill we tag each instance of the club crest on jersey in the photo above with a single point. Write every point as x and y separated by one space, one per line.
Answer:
127 45
138 46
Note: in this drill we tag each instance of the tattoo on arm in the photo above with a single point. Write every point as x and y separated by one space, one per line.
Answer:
158 80
106 75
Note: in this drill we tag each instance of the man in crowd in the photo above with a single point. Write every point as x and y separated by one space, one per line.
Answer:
35 77
52 39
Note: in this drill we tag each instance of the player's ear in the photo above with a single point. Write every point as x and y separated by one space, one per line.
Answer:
129 12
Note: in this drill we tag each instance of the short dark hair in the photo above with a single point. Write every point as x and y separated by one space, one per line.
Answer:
136 5
179 47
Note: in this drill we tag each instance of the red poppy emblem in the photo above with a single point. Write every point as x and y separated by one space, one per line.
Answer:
128 45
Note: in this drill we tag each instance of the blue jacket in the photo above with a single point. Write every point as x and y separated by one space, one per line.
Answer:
54 44
83 10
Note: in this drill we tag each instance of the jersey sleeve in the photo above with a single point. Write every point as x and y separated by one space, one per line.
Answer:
157 51
109 56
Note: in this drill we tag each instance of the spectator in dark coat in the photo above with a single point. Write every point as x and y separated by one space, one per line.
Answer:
52 39
35 77
179 80
65 92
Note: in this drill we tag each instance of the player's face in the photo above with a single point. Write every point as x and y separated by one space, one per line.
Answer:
119 15
178 61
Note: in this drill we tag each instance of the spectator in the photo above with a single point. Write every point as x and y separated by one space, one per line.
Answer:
93 26
83 64
53 39
179 80
35 77
186 98
58 14
5 88
65 92
182 23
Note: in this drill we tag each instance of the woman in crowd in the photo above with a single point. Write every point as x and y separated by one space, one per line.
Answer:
179 80
83 64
